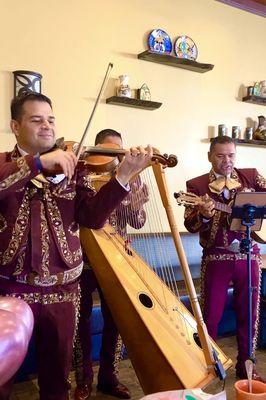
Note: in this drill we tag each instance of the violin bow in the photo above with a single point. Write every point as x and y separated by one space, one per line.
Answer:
80 145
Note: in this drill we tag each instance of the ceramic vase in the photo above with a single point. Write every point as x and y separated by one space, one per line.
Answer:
123 89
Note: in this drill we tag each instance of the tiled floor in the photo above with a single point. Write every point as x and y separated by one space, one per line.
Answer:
29 391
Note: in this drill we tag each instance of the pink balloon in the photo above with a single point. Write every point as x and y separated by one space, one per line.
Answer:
16 325
20 308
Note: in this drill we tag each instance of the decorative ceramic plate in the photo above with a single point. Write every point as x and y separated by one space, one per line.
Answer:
185 47
159 42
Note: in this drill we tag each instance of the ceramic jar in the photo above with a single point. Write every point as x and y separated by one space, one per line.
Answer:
235 132
123 89
222 130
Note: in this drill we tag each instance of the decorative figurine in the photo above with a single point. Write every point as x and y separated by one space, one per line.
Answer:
123 89
260 132
263 88
256 89
144 93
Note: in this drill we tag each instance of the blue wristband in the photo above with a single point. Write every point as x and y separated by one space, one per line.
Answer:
38 163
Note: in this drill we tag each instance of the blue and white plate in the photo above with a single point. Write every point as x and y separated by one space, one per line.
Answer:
185 47
159 42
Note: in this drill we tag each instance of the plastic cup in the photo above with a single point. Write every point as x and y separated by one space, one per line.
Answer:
258 390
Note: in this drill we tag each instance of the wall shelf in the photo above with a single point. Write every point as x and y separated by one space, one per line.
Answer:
244 142
255 99
167 59
136 103
251 142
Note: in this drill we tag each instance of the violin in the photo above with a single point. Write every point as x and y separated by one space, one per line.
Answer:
106 158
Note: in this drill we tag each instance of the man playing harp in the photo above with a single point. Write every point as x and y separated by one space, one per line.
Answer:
130 212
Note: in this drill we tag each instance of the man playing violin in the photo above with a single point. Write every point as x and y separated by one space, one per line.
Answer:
41 256
222 261
130 212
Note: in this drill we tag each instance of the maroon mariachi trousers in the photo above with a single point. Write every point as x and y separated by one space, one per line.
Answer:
218 271
110 353
55 311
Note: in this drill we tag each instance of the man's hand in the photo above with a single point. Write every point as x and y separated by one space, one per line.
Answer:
206 209
59 161
136 159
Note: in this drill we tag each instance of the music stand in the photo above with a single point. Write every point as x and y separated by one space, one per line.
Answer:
248 212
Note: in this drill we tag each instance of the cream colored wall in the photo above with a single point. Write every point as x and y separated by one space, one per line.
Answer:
70 42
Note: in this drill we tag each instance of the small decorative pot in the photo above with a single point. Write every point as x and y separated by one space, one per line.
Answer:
123 89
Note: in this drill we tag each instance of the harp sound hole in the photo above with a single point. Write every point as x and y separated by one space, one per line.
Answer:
145 300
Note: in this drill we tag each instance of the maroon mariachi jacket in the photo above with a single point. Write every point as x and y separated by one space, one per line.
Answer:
216 231
127 213
39 222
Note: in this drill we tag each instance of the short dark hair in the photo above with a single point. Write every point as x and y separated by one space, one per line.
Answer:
221 140
18 102
105 133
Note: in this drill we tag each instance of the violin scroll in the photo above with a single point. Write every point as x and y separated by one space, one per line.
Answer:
164 159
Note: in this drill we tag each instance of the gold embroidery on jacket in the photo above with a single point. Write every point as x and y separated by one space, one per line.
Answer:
45 243
214 227
190 212
68 193
70 256
74 229
3 223
118 354
261 181
225 236
230 257
234 175
15 154
18 231
87 182
50 298
248 190
20 263
23 172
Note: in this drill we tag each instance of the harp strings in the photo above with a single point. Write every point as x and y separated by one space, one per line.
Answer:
150 242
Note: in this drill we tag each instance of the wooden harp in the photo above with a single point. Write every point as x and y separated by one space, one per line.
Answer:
157 329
